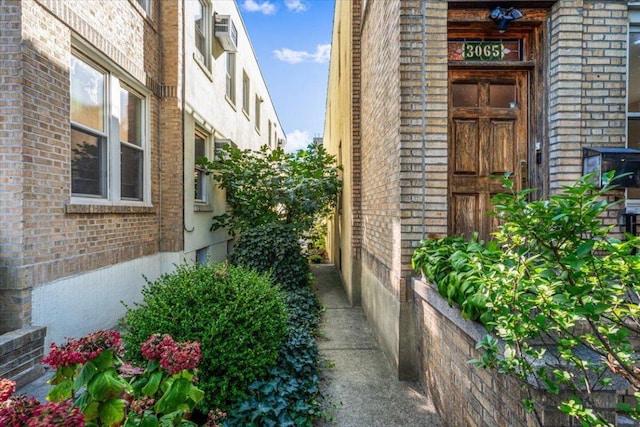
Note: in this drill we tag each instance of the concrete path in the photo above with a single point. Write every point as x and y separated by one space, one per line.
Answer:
359 380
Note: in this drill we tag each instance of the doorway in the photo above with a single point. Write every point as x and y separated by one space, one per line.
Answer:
488 137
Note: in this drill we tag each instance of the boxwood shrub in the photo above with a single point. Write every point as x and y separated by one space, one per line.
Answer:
238 316
273 247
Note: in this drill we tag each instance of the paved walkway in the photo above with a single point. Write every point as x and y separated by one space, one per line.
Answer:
360 385
359 380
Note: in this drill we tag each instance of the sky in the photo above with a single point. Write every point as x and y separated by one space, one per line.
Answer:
292 41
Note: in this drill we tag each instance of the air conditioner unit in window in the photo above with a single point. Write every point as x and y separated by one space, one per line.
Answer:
226 32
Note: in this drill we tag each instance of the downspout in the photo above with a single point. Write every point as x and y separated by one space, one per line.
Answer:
424 118
183 104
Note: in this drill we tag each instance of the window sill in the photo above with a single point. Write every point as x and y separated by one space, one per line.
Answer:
258 131
231 102
202 207
71 208
203 67
246 114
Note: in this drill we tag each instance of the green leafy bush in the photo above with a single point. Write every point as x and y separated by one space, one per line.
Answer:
268 186
237 315
273 248
456 266
290 393
558 290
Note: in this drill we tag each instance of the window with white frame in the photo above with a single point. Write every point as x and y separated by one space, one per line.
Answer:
257 112
202 23
146 5
231 77
633 90
246 91
108 134
199 172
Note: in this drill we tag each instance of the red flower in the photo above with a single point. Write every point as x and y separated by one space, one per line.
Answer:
62 414
155 346
184 356
84 349
7 388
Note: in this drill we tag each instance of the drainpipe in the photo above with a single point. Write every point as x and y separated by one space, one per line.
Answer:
424 117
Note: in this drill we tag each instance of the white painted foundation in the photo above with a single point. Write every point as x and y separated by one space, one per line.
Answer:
78 305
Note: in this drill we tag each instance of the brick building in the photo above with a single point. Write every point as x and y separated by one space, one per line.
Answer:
105 107
428 98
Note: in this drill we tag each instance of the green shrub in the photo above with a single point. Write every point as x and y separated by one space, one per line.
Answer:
273 248
290 393
237 315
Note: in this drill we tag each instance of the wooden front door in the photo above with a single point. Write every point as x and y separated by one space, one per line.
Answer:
488 112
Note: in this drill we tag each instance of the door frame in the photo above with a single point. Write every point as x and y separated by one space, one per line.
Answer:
531 29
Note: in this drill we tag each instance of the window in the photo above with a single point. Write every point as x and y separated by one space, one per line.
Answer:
202 24
231 77
199 173
146 5
633 94
108 135
257 111
246 90
269 128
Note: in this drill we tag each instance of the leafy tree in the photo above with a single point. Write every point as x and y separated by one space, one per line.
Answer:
564 297
268 186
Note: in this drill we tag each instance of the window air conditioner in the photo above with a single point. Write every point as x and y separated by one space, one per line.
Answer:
226 32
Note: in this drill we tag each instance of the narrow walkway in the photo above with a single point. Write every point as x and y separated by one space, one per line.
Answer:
359 380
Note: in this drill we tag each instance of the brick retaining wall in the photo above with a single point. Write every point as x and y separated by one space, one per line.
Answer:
468 396
20 354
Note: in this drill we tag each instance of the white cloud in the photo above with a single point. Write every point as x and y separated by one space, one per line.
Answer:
297 140
265 7
321 54
296 5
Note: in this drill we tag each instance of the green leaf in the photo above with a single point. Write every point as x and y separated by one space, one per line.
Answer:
104 360
105 385
111 411
61 391
151 387
174 396
585 248
86 374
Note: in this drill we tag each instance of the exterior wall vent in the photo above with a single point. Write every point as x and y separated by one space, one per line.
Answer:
226 32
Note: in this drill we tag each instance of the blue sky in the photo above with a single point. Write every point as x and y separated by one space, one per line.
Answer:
291 39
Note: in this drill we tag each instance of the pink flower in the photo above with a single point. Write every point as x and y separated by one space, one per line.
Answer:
17 411
156 345
84 349
62 414
7 388
184 356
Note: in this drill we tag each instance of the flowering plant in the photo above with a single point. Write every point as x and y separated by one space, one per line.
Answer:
108 391
165 388
21 411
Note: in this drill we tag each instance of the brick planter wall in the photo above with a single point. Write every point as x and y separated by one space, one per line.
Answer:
20 354
468 396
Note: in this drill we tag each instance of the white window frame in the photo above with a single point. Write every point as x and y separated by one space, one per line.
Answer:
257 108
231 78
246 94
146 5
115 78
199 171
204 58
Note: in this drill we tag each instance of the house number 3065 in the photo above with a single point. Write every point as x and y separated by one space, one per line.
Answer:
485 51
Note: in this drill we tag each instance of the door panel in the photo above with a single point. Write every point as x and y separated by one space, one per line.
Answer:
487 137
